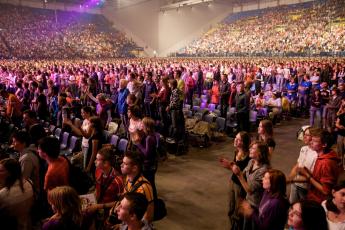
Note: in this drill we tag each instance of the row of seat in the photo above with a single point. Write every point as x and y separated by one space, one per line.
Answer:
70 143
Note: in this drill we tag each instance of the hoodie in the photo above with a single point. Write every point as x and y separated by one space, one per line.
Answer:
326 171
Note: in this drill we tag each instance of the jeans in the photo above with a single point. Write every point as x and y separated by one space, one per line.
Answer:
315 113
85 151
297 193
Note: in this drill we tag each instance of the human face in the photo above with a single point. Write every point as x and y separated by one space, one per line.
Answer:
295 216
26 120
260 129
307 137
84 114
238 141
18 146
123 210
254 152
266 183
41 153
126 166
339 198
316 144
99 162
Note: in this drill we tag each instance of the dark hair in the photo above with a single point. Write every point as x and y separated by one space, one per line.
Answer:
22 137
313 215
245 138
264 152
50 146
329 203
278 183
87 109
138 204
135 111
36 132
30 113
136 159
14 171
97 124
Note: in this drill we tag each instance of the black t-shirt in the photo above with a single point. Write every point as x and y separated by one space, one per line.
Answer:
241 164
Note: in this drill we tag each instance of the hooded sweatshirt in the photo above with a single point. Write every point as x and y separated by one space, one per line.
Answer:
326 171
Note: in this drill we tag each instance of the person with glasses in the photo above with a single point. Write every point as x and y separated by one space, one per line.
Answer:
307 158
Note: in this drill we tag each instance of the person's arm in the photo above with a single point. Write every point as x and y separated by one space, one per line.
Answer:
93 155
338 125
92 97
109 119
149 146
149 212
323 188
27 168
293 173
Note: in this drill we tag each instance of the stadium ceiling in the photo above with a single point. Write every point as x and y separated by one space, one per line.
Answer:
175 4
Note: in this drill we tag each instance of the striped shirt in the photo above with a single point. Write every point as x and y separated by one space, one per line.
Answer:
145 188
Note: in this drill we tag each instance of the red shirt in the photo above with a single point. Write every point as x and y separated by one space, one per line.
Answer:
326 171
57 174
110 187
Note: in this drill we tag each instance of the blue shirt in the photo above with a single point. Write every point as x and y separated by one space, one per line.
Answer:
121 101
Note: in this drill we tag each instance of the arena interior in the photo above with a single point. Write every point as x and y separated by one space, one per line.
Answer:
172 114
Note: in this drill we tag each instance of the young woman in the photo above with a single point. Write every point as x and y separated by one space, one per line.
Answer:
16 196
85 130
307 215
265 134
241 159
148 148
251 177
66 205
335 207
273 208
315 107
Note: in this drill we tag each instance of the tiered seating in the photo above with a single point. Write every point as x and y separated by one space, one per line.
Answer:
301 29
30 33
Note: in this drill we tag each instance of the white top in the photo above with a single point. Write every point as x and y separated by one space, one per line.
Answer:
333 225
307 158
18 204
85 127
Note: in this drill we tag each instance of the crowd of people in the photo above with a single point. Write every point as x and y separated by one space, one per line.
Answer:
30 33
318 28
148 98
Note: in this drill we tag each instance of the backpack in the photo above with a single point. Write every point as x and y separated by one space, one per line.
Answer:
160 210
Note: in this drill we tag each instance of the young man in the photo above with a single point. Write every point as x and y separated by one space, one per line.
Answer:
131 211
109 184
135 182
326 169
28 158
58 168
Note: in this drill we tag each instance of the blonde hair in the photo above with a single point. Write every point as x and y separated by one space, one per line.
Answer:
66 203
149 124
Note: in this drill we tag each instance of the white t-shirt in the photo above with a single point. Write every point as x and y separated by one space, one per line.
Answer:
85 127
307 158
332 225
